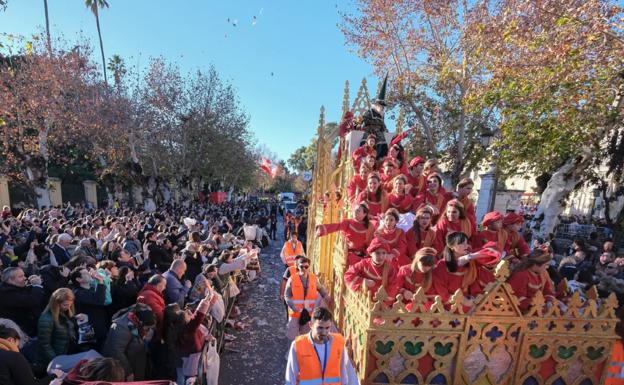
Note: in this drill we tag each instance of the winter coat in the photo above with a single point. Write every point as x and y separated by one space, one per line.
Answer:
159 258
124 343
52 280
91 302
22 305
54 339
193 265
124 294
175 292
15 370
155 300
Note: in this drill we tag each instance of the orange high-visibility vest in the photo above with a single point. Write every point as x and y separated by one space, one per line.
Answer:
290 253
310 370
615 370
300 298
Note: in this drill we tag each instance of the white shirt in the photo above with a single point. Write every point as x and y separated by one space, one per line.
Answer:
347 372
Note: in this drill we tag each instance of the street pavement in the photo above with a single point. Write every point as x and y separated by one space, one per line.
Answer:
260 357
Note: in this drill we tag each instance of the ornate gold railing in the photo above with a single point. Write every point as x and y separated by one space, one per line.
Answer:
493 343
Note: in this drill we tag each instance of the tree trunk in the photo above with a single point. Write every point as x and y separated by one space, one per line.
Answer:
562 182
39 175
47 20
137 194
40 185
97 22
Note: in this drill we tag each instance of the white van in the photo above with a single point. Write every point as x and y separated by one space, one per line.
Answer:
287 197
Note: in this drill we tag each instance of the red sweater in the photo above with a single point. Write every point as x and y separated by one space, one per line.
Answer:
192 336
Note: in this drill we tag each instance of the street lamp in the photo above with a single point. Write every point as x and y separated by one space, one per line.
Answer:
486 138
489 179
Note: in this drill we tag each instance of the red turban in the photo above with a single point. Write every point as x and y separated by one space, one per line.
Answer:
512 218
491 217
376 244
416 161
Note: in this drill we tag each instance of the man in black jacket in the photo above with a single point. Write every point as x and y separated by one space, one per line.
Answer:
90 300
21 299
159 258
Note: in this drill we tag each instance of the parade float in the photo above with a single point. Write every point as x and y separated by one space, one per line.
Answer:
491 343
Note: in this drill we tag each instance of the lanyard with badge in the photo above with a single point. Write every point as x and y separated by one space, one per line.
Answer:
324 362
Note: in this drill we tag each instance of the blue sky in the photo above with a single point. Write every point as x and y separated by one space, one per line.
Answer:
296 40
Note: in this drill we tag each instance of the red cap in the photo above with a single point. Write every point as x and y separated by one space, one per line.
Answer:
491 217
512 218
376 244
416 161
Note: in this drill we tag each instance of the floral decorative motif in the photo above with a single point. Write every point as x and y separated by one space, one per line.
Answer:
384 348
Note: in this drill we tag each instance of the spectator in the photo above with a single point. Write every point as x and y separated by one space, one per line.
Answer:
61 254
177 289
124 258
183 336
193 261
90 299
21 299
56 329
14 368
127 338
125 289
159 258
53 277
152 295
86 247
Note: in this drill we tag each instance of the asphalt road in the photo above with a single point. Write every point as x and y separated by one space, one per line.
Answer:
261 348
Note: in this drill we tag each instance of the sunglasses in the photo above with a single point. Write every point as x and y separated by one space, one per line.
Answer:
304 266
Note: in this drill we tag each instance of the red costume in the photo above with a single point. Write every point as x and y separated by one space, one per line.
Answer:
517 245
356 234
403 203
444 227
426 198
526 284
383 273
426 239
361 153
499 237
386 181
397 245
470 278
356 185
408 280
470 211
374 207
418 182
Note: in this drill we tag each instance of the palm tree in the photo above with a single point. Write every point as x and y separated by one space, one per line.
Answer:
94 5
45 6
118 68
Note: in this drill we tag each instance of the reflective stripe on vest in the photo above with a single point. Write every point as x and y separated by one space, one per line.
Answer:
300 297
310 370
615 370
290 253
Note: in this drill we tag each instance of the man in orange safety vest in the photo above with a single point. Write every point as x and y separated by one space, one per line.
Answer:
303 293
320 357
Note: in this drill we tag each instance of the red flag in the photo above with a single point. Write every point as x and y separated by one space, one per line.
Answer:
268 167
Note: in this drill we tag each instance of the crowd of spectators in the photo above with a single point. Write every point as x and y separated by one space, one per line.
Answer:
121 294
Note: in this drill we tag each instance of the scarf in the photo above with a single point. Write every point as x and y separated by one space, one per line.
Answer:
8 345
134 320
